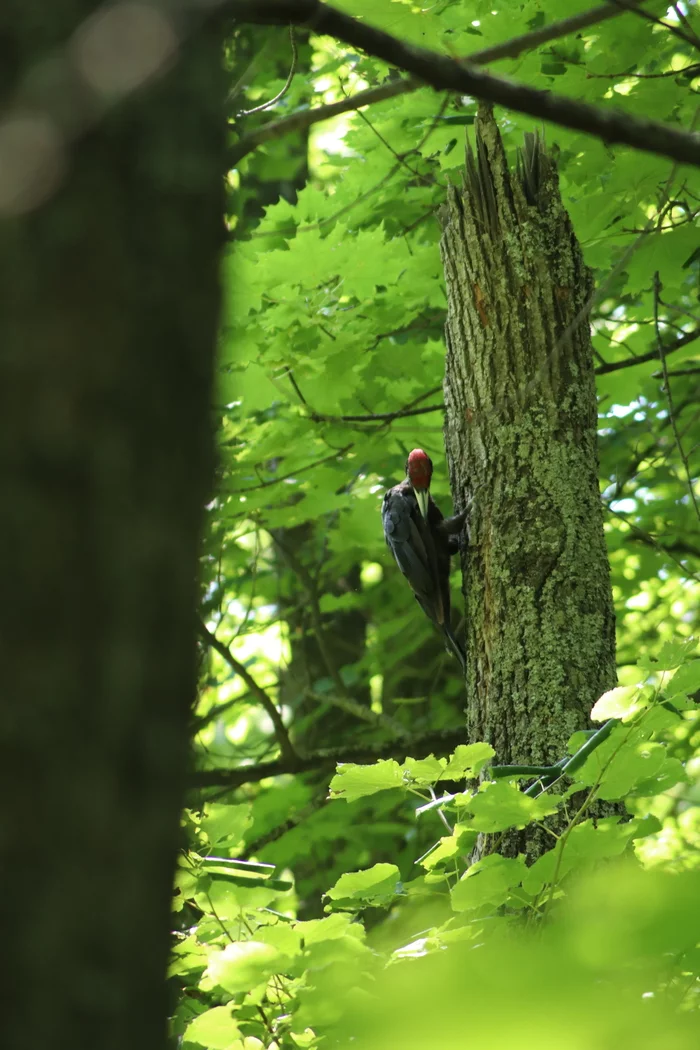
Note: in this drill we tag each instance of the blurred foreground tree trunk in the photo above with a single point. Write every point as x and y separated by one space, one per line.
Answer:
521 439
109 242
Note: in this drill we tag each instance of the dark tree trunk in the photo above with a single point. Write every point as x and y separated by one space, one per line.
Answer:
521 440
108 310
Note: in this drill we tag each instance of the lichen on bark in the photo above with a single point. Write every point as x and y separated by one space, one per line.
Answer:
521 441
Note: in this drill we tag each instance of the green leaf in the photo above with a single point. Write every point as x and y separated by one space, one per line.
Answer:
587 843
671 655
623 702
487 882
224 824
467 761
423 772
373 885
352 781
304 1039
214 1028
599 840
685 680
243 965
500 805
313 931
625 759
461 841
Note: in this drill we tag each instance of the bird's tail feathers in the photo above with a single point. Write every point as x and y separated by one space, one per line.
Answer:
454 645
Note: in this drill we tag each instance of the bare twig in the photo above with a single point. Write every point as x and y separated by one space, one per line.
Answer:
685 21
653 224
336 454
645 455
288 83
669 396
377 417
429 180
676 372
682 310
650 541
669 348
693 68
357 710
216 712
288 753
253 848
411 409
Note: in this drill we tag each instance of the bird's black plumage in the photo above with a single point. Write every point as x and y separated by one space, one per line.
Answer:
422 548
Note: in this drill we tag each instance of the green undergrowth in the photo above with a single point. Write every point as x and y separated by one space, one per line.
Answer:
595 944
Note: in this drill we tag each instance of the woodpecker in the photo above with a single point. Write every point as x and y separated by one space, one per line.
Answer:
422 542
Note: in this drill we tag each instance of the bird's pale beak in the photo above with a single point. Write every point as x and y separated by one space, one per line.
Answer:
422 497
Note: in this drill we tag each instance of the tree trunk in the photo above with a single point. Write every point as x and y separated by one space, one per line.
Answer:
521 440
108 312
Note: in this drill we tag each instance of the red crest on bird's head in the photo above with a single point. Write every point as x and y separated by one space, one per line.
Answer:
419 469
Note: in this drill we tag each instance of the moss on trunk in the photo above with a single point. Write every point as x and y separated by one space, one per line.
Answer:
521 441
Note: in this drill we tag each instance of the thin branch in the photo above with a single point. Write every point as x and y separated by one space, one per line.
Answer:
629 362
438 742
357 710
655 20
288 753
679 310
429 180
646 538
292 380
293 473
306 118
546 34
311 588
669 397
693 68
645 456
676 372
322 223
377 417
215 713
287 85
251 597
678 547
685 21
598 293
443 73
509 49
253 848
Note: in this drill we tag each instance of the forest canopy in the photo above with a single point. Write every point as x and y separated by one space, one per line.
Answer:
315 654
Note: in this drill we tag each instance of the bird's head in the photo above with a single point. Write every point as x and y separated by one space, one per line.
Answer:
419 470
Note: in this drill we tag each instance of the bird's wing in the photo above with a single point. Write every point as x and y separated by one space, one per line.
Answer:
410 543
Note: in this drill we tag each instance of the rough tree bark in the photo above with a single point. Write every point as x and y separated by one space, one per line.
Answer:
520 434
108 311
